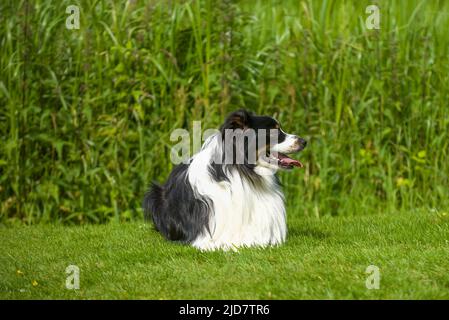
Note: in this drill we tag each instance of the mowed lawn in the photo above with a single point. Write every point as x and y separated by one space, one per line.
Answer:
323 258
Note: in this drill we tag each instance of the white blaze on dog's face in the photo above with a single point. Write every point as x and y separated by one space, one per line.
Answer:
279 146
290 144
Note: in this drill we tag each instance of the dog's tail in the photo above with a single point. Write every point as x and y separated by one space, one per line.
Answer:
153 202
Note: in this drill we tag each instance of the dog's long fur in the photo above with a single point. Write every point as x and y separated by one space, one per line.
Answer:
223 206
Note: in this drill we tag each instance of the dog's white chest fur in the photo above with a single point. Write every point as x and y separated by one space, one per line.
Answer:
242 213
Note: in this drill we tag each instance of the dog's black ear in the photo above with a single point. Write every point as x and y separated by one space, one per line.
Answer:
239 119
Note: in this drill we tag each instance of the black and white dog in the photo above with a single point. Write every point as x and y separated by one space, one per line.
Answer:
228 194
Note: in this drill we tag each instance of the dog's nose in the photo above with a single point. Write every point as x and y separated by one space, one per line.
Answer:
302 142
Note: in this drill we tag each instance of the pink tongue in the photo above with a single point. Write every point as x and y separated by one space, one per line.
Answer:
286 161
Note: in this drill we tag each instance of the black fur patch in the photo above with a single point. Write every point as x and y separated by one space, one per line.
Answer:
217 172
175 211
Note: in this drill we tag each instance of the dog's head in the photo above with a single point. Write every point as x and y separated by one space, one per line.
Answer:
259 141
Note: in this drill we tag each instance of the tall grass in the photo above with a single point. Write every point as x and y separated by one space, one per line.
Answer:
86 115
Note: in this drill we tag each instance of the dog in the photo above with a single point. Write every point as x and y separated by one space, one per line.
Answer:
228 195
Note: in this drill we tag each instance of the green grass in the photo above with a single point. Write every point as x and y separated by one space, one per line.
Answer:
86 115
323 259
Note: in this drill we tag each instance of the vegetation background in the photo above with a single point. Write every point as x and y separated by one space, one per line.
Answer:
86 115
